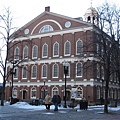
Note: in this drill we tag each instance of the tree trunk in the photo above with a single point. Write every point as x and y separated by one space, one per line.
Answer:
106 90
3 93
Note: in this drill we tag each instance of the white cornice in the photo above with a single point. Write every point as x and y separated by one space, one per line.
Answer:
59 32
59 60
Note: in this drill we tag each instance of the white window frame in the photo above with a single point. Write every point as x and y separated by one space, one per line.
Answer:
34 72
56 43
16 53
77 69
43 71
98 92
46 28
23 72
65 49
55 91
57 71
34 51
14 94
33 91
16 73
45 52
80 47
25 52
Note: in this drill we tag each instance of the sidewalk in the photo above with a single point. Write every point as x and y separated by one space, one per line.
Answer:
9 112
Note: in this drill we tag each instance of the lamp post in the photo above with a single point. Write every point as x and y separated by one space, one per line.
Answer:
44 89
12 72
65 65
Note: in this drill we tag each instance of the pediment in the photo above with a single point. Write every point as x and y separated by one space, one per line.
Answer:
55 21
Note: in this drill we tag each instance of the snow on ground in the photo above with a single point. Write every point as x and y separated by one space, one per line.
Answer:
25 105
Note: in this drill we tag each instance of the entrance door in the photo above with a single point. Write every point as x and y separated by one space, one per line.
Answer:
24 94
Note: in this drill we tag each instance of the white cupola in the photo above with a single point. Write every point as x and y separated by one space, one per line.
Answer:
91 16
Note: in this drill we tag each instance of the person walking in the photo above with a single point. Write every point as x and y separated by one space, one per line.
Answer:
47 101
56 101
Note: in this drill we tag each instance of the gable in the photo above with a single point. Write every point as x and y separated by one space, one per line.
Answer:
51 22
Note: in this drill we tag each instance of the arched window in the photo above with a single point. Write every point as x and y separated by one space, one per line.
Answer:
25 52
34 71
24 72
16 53
44 71
35 51
98 71
79 47
55 91
79 69
56 49
14 93
102 72
97 49
16 72
98 92
55 71
45 50
46 28
33 93
89 19
67 48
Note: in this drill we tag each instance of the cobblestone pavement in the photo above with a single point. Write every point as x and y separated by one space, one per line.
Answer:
11 113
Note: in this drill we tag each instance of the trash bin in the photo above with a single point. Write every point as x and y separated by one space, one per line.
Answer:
83 104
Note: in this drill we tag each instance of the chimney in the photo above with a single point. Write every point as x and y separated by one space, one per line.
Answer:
47 8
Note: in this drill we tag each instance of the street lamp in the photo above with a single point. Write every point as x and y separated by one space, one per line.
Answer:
44 89
12 72
65 65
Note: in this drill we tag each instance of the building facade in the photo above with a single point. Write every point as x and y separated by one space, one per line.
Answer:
41 46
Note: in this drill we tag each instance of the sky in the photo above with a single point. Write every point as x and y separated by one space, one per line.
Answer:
24 11
25 105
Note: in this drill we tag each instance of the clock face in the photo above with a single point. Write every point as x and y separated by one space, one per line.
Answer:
26 31
67 24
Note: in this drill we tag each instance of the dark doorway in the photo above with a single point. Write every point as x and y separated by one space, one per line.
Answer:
24 94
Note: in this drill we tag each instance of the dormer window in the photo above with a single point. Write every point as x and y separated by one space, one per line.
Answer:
46 28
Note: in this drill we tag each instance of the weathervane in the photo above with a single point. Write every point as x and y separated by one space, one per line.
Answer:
91 3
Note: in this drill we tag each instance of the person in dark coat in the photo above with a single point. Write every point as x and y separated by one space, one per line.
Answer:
56 101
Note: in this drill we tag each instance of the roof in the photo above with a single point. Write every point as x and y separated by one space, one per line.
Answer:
91 10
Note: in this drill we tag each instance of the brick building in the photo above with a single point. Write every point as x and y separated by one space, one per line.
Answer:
43 44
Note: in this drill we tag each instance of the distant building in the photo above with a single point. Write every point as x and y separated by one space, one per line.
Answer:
44 44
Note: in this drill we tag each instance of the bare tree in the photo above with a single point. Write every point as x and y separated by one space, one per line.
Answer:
107 46
8 46
5 32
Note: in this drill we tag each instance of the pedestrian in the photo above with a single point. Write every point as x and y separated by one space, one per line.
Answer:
56 101
47 101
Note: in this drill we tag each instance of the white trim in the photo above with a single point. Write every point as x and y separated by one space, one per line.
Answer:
77 29
46 21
